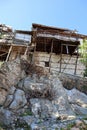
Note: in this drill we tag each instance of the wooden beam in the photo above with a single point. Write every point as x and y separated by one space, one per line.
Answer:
25 53
45 44
10 49
69 45
50 55
61 57
76 62
63 33
34 41
3 54
33 58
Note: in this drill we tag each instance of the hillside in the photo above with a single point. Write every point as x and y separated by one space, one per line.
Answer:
32 99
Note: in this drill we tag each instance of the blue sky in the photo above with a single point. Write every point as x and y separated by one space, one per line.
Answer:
20 14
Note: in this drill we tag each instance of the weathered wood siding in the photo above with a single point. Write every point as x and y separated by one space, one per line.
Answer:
67 66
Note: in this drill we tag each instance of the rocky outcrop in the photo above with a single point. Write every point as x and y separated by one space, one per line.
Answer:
10 74
46 96
43 96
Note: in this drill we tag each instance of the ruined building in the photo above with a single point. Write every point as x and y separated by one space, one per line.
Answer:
55 49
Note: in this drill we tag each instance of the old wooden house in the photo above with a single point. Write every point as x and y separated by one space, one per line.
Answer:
54 49
57 49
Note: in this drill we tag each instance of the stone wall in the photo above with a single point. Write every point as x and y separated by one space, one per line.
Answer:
68 63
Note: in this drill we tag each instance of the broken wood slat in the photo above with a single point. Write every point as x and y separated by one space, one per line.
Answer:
4 51
3 54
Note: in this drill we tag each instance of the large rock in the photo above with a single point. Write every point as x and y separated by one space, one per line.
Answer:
6 116
43 108
11 90
19 100
3 87
79 110
47 90
35 83
10 74
8 100
78 100
60 99
77 97
9 97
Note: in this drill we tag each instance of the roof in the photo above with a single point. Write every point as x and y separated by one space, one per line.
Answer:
58 31
23 32
44 27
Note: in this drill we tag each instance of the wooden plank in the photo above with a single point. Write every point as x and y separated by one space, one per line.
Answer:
68 45
3 54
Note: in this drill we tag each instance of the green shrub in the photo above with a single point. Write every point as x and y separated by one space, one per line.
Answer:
83 51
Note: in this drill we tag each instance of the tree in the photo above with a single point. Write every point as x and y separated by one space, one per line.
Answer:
83 51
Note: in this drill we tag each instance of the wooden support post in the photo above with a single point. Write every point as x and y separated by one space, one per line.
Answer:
34 36
14 37
50 55
76 62
33 58
25 53
9 52
61 57
44 44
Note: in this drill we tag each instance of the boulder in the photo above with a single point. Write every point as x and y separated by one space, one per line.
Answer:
8 101
79 110
78 101
47 90
43 108
77 97
11 90
19 100
10 74
61 99
6 116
